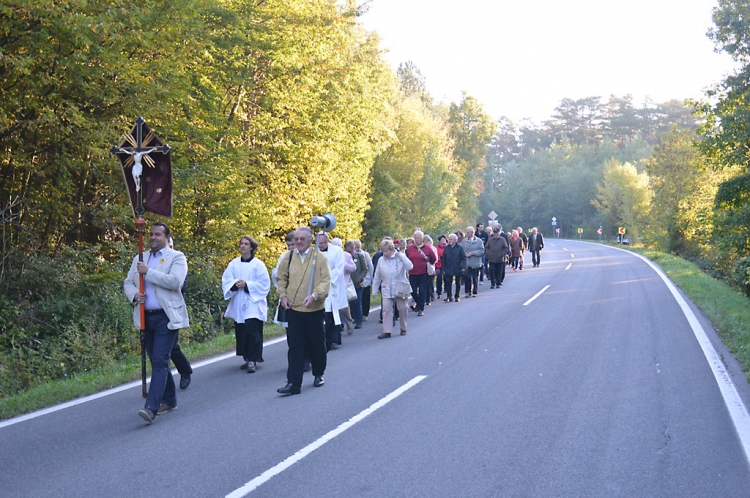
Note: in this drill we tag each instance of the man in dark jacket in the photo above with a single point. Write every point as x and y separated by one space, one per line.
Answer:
536 244
454 265
485 237
525 246
497 254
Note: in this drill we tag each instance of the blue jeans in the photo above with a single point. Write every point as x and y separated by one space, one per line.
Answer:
356 306
159 342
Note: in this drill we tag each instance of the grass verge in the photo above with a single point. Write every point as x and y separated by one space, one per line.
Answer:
727 309
109 376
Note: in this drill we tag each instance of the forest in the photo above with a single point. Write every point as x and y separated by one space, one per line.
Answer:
278 110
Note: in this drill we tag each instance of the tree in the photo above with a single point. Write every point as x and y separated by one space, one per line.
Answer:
471 129
623 197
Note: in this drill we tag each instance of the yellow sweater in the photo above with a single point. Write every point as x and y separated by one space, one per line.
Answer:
295 282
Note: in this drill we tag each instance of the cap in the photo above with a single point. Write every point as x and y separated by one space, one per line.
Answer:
496 229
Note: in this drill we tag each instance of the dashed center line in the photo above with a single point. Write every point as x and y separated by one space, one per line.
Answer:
536 296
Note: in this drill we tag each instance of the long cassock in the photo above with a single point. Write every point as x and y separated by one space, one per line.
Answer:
247 304
337 294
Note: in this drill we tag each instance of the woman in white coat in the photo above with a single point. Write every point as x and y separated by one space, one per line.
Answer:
245 284
392 268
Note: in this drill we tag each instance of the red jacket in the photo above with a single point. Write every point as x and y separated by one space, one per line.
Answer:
416 258
439 249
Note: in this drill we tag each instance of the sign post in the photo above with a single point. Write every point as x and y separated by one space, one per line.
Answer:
492 217
580 233
554 223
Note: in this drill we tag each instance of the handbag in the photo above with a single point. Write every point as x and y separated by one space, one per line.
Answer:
351 292
430 266
403 289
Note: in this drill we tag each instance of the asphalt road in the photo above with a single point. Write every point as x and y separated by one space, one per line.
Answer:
598 387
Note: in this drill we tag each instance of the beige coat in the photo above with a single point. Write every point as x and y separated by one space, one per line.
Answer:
167 279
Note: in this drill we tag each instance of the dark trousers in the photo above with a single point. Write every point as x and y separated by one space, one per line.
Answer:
159 342
449 279
439 281
514 262
471 279
333 331
535 258
430 288
496 270
355 305
305 332
249 337
179 359
483 268
503 267
419 289
366 294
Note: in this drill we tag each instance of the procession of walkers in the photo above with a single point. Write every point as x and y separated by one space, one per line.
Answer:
323 290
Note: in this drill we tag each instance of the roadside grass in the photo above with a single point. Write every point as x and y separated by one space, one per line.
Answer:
727 309
116 374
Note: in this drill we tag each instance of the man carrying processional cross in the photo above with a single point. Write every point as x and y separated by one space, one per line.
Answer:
155 278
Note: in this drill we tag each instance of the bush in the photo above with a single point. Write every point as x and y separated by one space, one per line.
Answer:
740 277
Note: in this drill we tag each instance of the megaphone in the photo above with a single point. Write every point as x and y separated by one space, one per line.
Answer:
327 222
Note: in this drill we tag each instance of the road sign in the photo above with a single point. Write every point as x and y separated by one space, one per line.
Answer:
492 215
622 230
554 223
553 220
580 230
558 230
599 231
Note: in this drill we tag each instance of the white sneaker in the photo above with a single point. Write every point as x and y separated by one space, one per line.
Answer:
250 367
481 282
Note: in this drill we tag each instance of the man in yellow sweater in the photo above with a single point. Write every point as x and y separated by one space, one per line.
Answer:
303 287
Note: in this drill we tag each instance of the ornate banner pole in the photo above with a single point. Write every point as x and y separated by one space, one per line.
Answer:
137 152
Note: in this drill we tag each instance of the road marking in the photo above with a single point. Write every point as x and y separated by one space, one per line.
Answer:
265 476
736 408
536 296
572 255
564 249
124 387
115 390
569 265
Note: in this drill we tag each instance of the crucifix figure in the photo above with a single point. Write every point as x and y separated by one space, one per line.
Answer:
137 169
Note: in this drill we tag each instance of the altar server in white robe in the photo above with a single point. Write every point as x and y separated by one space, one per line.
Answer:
246 284
337 294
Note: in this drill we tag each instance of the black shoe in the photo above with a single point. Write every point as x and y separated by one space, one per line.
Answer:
289 389
184 381
318 381
492 286
413 307
358 326
458 299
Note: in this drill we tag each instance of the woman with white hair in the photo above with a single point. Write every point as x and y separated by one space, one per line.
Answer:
390 274
420 254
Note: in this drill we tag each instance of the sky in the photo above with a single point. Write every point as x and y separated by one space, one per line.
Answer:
520 58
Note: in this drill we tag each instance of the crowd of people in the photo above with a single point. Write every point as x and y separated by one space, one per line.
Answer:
324 289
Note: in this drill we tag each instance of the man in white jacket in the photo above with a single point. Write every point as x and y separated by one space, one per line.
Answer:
336 299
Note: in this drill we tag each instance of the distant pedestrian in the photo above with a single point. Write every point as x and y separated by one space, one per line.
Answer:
525 246
439 279
536 244
474 249
485 237
392 268
454 264
420 254
516 247
497 255
245 284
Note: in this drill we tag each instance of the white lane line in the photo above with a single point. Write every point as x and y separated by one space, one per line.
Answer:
115 390
735 406
569 265
572 255
124 387
564 249
536 296
273 471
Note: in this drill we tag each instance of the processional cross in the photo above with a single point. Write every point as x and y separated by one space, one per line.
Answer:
137 150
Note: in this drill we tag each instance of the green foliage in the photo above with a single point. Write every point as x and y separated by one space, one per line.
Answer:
624 197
